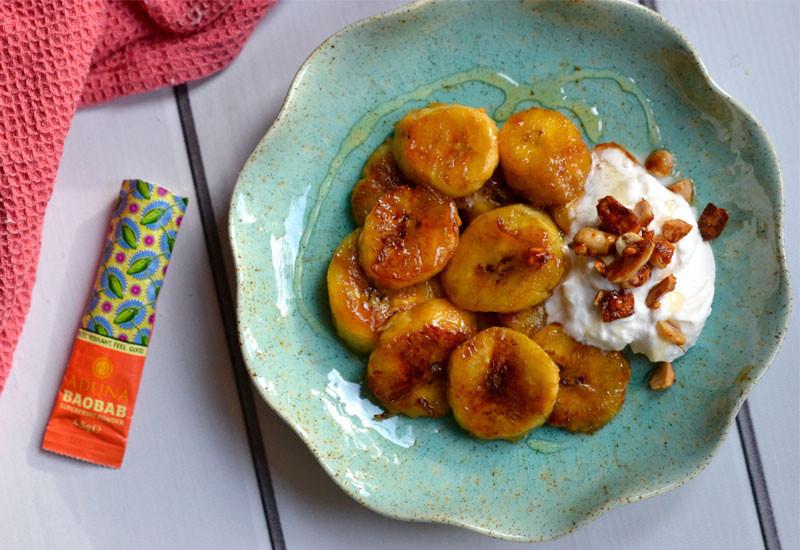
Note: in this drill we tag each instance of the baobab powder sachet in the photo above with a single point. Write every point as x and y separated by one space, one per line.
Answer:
95 402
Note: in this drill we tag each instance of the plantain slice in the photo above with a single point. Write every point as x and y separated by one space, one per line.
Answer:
593 381
502 385
508 259
407 371
381 174
543 156
360 309
528 321
452 148
408 237
494 194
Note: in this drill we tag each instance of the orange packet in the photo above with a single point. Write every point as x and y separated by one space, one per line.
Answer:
92 414
95 403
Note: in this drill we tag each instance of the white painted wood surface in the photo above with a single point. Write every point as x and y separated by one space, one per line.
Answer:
312 508
187 480
751 50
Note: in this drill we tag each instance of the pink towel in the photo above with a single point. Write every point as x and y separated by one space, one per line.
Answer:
58 54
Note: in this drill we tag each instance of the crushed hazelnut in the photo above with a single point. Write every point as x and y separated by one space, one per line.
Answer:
665 285
712 221
614 304
589 241
662 253
634 257
644 212
641 277
660 163
671 332
684 188
662 376
625 240
675 230
615 217
600 266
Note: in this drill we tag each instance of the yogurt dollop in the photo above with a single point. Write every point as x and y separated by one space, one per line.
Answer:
688 306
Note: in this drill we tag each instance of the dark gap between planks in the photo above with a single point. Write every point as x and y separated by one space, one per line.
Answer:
226 306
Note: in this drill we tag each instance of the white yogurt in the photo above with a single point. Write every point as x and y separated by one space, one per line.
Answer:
688 306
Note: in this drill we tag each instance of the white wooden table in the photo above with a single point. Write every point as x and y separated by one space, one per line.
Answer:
195 475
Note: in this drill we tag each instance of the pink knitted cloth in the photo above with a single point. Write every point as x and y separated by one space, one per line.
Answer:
58 54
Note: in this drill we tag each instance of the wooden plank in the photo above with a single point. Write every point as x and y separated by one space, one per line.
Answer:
232 111
187 480
750 50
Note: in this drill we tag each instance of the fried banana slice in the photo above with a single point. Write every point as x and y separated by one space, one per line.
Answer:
408 237
452 148
528 321
593 381
543 156
508 259
381 174
360 309
502 385
407 371
494 194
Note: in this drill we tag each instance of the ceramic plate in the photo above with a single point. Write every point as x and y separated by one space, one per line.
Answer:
623 74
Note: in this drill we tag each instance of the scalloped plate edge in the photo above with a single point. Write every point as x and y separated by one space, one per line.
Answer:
610 503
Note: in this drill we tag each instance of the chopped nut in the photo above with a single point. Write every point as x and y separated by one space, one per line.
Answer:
625 240
600 266
634 257
660 163
675 230
537 256
560 215
615 217
671 332
684 188
644 212
712 221
665 285
662 376
648 235
589 241
662 253
614 304
641 277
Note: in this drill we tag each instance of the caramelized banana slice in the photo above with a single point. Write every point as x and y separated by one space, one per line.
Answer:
452 148
502 385
407 371
593 381
408 237
494 194
360 309
528 321
508 259
544 157
381 174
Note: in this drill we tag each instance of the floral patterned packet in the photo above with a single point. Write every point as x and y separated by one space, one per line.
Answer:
94 406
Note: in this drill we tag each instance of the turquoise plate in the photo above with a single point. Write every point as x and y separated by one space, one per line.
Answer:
611 65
